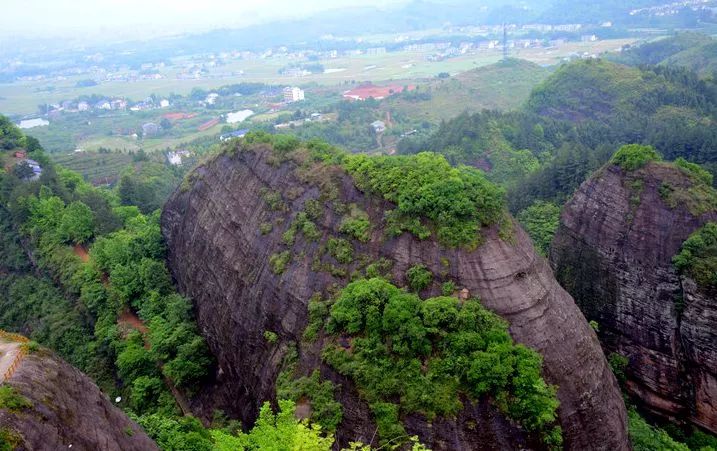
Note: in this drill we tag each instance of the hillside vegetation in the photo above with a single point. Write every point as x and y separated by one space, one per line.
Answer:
573 123
694 51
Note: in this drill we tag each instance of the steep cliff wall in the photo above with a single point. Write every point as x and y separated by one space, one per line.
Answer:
613 252
220 248
66 410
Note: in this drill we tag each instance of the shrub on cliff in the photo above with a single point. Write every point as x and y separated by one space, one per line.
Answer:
541 221
457 201
631 157
698 257
411 355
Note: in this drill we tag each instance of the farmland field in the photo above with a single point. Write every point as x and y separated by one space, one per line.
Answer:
22 98
95 167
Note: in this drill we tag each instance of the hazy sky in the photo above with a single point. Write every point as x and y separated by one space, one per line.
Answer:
54 17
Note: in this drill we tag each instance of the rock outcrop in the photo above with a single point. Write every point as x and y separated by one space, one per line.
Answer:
67 411
219 253
613 252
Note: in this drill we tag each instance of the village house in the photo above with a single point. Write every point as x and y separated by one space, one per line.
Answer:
34 166
234 134
293 94
103 105
378 126
150 129
118 104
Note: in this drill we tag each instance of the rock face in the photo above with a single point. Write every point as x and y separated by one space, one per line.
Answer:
220 258
613 252
68 411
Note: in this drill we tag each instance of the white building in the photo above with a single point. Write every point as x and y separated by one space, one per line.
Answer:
175 158
164 103
378 126
32 123
83 106
293 94
239 116
212 98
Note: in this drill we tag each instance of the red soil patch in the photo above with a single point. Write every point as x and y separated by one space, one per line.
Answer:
81 252
129 319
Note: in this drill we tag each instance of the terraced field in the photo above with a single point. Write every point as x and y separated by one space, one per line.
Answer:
98 168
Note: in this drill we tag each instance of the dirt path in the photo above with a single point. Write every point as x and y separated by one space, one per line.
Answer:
8 352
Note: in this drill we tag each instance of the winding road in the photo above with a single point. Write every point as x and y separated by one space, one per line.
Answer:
8 351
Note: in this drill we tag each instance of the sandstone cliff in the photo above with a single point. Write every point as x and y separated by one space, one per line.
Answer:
220 257
613 252
66 411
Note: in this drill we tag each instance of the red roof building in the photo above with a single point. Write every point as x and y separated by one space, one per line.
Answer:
207 125
367 91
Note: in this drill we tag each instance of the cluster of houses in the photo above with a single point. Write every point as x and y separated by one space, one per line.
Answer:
107 104
673 8
314 117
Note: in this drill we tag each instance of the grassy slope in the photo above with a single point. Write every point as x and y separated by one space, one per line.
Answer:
502 86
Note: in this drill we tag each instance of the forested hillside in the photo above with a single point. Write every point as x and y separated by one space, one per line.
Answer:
694 51
575 120
85 276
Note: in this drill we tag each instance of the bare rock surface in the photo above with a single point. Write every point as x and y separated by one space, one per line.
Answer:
220 258
613 252
68 411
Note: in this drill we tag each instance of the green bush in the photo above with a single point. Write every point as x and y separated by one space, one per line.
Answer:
274 200
325 410
265 228
379 268
270 337
448 288
695 170
13 401
698 257
618 364
285 143
419 277
318 311
458 201
313 209
279 262
647 438
631 157
9 440
356 224
408 355
341 250
302 224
